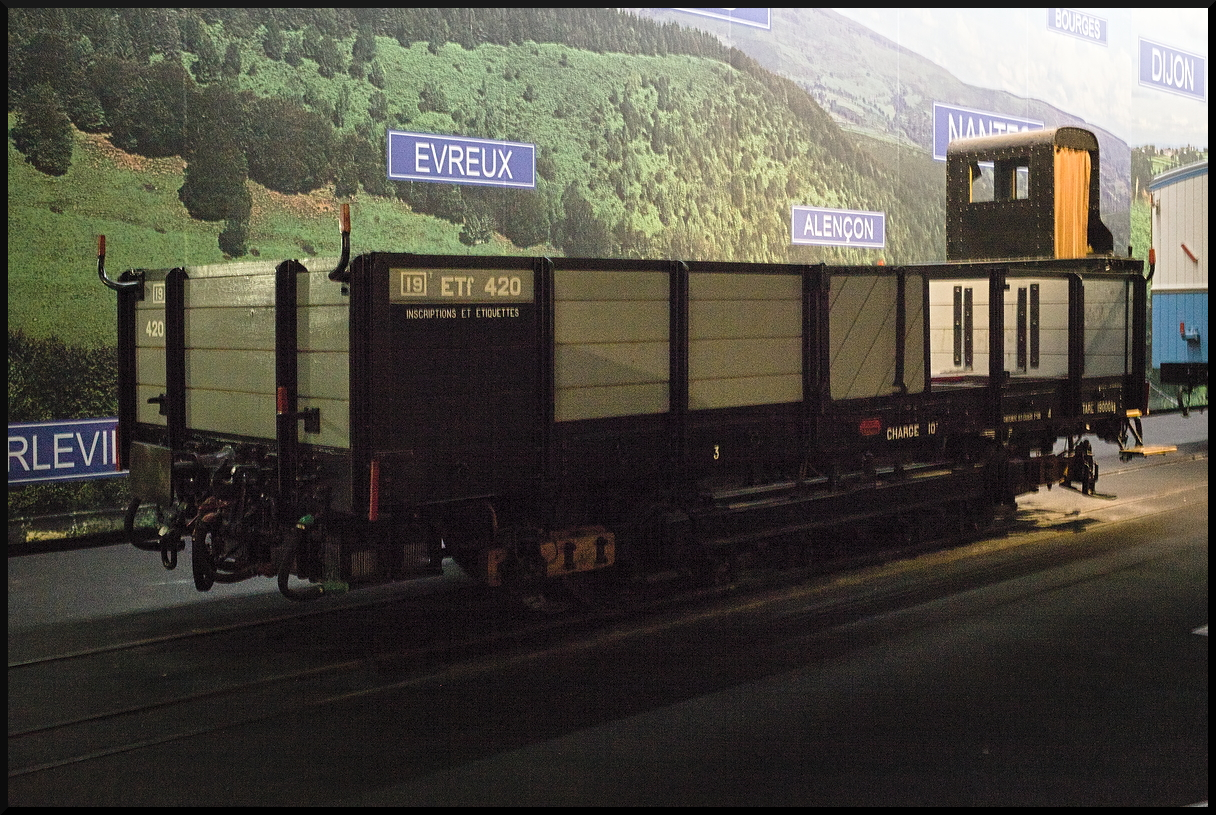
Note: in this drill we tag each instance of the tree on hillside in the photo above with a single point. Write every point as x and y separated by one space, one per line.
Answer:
43 132
235 234
80 101
525 217
346 165
1141 169
328 56
478 227
48 379
232 61
433 98
192 30
357 161
293 49
65 75
116 40
273 43
376 75
443 201
377 106
363 51
581 233
155 31
147 112
288 147
207 68
214 179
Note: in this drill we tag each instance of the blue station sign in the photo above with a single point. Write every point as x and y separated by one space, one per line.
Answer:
1077 24
754 17
817 226
43 452
459 160
1173 70
951 122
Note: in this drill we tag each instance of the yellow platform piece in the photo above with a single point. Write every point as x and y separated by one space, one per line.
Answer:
1148 450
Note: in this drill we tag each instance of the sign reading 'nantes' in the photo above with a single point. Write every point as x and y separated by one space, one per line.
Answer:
458 160
952 122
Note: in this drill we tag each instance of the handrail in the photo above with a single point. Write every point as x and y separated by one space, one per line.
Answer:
340 274
116 285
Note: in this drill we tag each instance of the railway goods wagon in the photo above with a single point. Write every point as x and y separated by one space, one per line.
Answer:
355 423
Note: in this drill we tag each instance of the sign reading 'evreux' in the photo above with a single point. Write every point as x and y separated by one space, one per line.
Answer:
459 160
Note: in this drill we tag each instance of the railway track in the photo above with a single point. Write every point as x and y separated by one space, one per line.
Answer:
75 707
120 696
125 695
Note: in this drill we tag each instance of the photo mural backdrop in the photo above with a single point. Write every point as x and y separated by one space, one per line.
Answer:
196 136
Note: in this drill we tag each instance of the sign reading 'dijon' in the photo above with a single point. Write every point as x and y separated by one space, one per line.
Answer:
458 160
1173 70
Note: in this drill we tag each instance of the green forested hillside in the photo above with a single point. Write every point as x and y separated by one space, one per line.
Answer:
197 135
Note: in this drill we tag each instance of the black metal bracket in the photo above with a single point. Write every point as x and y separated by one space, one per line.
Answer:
311 417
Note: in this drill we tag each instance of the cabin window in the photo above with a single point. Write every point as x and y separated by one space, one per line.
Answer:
1002 180
1011 178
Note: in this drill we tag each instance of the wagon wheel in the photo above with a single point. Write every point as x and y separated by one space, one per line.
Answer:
288 564
159 538
128 524
203 545
1087 469
170 545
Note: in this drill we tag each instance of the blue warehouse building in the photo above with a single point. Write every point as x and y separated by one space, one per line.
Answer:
1180 282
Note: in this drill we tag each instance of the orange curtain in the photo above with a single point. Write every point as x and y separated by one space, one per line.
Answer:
1072 202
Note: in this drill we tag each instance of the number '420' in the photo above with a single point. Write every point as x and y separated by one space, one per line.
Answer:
503 286
155 328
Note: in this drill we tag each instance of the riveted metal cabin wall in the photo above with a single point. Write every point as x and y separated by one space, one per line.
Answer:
1019 218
